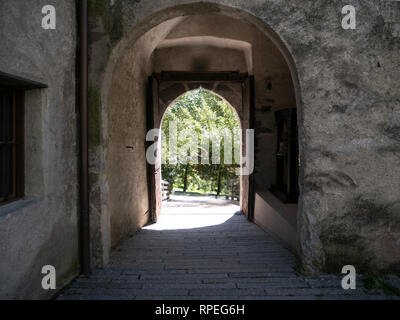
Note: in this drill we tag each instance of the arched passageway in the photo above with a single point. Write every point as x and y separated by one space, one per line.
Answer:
240 61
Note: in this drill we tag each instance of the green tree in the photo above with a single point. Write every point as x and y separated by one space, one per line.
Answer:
201 111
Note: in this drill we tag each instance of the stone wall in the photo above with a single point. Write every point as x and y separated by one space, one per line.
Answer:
42 229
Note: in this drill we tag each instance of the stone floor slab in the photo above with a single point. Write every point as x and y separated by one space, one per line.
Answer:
230 260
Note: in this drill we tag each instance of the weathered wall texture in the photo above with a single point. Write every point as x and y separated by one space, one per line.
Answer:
119 205
42 229
349 106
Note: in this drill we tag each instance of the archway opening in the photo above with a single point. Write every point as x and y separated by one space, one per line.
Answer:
211 42
201 144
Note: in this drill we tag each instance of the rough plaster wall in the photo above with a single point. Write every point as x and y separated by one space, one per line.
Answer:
105 57
42 229
126 126
350 110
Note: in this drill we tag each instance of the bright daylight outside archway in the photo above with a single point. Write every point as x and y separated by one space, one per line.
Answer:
201 145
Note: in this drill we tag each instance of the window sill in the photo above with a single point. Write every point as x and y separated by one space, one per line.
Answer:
17 205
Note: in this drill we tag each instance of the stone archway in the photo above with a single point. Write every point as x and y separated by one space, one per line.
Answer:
123 96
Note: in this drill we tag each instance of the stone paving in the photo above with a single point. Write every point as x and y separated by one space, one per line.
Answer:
227 258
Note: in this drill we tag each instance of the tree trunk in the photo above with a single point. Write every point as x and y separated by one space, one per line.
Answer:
185 184
219 183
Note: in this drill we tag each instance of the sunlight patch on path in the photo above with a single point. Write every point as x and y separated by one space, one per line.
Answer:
181 222
183 212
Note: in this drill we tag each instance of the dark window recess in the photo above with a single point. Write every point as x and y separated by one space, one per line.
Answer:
11 144
287 156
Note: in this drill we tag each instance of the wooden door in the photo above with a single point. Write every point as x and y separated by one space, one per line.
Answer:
247 180
154 169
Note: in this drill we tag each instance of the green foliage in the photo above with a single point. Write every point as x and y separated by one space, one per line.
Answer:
373 281
94 116
207 116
